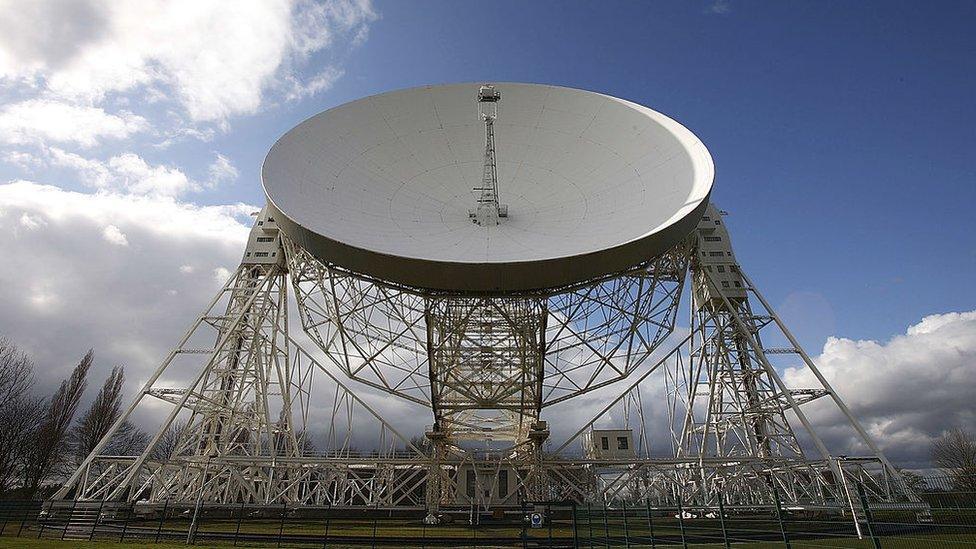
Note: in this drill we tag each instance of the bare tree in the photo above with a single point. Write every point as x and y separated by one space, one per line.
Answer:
96 422
914 481
16 371
50 444
19 413
169 444
955 453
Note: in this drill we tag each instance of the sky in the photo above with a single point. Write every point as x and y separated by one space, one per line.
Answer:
132 134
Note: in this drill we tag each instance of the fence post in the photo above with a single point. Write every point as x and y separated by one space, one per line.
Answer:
281 523
589 521
606 525
549 520
98 517
71 515
525 541
575 529
650 522
40 524
125 525
423 532
325 542
376 513
191 534
240 518
681 524
721 516
626 528
867 515
779 517
161 519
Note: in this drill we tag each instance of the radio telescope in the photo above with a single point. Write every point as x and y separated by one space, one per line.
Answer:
488 253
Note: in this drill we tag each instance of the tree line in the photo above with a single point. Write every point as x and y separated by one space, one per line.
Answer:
43 438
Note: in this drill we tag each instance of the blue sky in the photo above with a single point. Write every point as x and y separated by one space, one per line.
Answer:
842 134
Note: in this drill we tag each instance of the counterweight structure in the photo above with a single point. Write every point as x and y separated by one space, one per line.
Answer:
696 416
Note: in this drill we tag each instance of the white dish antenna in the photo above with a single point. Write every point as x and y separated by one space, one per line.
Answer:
591 184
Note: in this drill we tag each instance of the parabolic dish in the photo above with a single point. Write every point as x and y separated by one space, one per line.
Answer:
382 186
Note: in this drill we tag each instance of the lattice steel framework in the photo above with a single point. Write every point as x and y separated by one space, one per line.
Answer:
487 368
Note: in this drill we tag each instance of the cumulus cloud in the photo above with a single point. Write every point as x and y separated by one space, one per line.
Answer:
139 177
42 120
318 83
222 169
87 288
221 274
905 391
132 174
86 85
217 59
113 235
30 222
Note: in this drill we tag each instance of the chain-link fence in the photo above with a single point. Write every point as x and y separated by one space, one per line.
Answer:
944 518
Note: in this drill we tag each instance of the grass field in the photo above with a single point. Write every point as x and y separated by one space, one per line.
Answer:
952 529
901 542
908 542
26 543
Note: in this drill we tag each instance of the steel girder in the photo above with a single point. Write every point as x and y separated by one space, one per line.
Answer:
730 416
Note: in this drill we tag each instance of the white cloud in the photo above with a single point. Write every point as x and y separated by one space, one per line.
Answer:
88 83
113 235
159 215
222 169
137 176
318 83
23 160
120 304
905 391
221 274
131 174
217 59
31 222
317 23
719 7
93 172
41 299
42 120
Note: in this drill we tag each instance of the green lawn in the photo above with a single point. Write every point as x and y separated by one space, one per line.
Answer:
704 530
910 542
28 543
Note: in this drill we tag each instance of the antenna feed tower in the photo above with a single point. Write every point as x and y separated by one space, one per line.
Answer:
489 211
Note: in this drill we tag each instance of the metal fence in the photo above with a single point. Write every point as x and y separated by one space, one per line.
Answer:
950 521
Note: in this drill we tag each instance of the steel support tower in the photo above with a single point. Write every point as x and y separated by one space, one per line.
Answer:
698 416
488 369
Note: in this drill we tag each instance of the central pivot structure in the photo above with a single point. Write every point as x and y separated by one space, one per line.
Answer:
447 364
489 210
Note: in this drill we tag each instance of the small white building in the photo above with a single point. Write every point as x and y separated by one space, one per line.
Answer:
486 484
609 444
